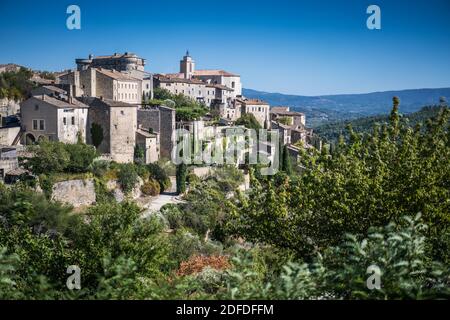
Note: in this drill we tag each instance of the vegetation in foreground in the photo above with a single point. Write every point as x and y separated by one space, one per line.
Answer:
379 199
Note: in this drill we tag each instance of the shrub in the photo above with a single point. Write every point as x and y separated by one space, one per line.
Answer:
151 187
81 157
49 157
192 179
99 168
159 174
127 177
196 264
173 215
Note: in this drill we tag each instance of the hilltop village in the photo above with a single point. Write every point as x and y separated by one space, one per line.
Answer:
134 108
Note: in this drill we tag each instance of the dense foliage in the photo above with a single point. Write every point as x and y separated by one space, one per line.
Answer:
16 85
331 132
395 171
187 109
249 121
377 202
53 157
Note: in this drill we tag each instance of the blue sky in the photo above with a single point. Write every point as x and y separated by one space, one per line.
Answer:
298 47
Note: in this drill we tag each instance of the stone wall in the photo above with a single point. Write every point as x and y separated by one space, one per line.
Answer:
162 120
8 134
75 192
80 193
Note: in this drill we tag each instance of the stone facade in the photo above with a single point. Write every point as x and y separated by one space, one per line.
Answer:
118 121
120 62
55 119
161 120
108 84
9 135
149 142
258 108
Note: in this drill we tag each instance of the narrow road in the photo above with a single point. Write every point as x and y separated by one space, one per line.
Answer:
158 202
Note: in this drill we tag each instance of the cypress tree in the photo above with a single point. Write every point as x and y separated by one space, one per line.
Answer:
181 178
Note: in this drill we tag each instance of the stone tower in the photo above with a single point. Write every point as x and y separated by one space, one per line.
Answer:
187 66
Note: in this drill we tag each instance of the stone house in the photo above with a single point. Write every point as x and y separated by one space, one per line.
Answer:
118 123
160 120
149 142
292 117
258 108
56 119
105 83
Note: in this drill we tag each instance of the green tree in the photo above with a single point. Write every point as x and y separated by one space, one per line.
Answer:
161 94
181 178
49 157
81 157
286 165
127 176
96 134
249 121
371 180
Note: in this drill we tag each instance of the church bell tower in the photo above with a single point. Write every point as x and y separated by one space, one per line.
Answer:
187 66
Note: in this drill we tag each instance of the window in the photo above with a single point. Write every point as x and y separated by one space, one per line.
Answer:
122 112
36 107
38 125
232 84
65 120
73 121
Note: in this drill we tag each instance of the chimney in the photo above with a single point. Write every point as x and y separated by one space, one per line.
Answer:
43 97
70 100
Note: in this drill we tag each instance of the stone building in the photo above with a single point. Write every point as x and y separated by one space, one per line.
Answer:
99 82
149 143
120 62
118 123
49 117
159 120
8 161
258 108
50 90
284 114
292 128
200 91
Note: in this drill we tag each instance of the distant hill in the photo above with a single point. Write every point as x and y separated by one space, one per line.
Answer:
330 132
330 108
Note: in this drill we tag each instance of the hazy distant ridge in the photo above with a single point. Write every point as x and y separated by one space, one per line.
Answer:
348 106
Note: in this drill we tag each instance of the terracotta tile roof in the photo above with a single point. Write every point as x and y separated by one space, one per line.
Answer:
55 89
146 133
116 75
93 101
213 72
165 79
218 86
59 103
252 101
